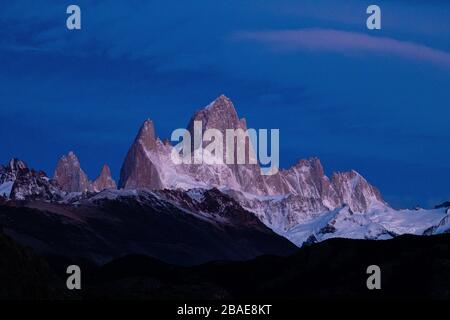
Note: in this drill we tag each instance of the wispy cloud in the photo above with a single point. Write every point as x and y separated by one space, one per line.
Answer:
344 42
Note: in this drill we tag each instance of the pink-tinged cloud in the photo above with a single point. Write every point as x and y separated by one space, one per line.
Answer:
344 42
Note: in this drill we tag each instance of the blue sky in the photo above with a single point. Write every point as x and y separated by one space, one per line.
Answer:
374 101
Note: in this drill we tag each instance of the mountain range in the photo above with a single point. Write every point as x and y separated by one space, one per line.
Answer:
193 213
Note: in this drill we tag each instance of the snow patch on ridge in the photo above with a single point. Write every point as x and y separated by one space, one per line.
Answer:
380 222
6 188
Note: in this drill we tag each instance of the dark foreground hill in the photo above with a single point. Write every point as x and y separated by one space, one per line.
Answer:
24 275
412 267
170 225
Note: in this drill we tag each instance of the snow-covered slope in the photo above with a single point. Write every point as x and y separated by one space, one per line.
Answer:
6 188
378 222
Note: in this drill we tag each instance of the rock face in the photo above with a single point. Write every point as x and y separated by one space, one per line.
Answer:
221 115
354 191
18 182
304 192
139 169
104 180
69 176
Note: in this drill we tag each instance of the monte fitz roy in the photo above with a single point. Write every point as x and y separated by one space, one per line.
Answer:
190 213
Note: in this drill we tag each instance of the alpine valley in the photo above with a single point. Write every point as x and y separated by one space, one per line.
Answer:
197 213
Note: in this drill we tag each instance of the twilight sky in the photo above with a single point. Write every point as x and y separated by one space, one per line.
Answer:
374 101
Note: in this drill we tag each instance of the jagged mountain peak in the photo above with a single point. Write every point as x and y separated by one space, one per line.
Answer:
310 163
18 182
69 176
355 191
71 154
104 180
350 176
219 114
221 103
71 158
146 135
148 126
106 170
16 164
138 170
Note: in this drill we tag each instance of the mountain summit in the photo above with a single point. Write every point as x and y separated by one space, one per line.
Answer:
138 169
219 114
104 180
71 178
69 175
